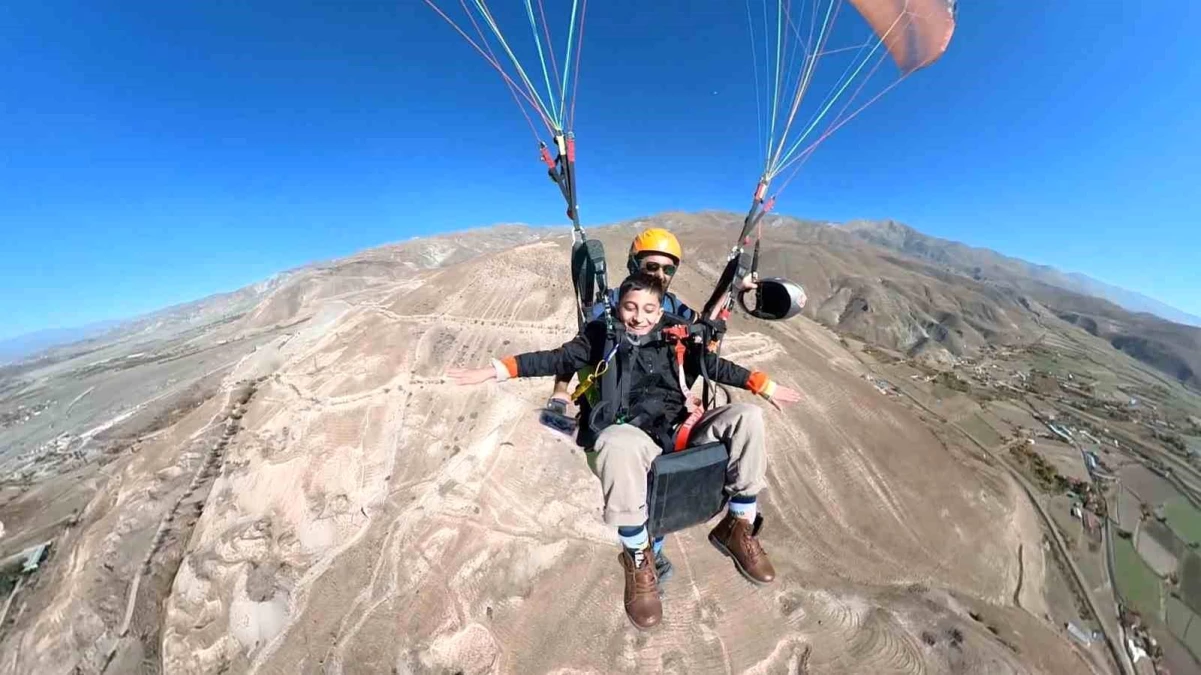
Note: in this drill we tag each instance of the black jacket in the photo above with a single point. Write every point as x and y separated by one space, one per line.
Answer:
654 401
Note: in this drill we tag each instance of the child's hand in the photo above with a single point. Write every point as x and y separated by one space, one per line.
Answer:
463 376
785 396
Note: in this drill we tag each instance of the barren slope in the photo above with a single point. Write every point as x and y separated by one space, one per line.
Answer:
873 293
1173 348
368 517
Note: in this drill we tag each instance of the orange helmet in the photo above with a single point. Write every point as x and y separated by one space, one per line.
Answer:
656 240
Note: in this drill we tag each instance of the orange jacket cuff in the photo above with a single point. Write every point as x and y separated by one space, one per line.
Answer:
759 383
505 368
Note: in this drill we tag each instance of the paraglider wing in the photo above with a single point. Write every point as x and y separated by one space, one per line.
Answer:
915 32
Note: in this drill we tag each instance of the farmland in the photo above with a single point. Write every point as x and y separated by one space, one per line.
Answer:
1184 520
1137 583
1149 487
1190 581
1159 558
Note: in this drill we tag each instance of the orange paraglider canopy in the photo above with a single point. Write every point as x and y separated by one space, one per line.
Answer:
915 32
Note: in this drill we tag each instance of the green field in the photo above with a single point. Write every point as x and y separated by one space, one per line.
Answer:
1046 362
977 427
1190 580
1192 639
1179 616
1164 536
1137 583
1184 520
1185 625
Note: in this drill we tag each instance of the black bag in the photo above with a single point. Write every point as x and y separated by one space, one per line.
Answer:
686 488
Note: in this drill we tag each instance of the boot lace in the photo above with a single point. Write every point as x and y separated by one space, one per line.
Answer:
747 542
645 577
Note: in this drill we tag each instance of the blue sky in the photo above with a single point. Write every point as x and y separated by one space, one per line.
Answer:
153 153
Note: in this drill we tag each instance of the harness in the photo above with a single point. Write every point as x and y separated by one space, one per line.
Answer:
612 404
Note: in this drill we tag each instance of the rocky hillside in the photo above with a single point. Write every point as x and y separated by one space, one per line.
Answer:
1169 347
885 297
295 488
1172 348
986 262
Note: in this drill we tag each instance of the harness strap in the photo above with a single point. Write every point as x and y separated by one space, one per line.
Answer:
615 382
623 384
696 408
684 433
608 377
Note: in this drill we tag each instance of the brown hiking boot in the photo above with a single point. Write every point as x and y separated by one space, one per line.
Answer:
642 588
735 537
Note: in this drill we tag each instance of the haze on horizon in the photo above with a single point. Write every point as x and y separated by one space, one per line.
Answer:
158 154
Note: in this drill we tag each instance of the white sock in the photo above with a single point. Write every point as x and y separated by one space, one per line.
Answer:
744 510
635 541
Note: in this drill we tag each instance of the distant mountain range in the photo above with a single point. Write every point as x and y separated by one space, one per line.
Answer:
422 253
1135 302
881 280
982 263
15 348
1172 347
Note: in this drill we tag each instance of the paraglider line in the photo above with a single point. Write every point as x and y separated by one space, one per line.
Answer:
531 89
549 43
556 114
512 86
805 154
491 60
575 85
789 83
575 5
766 94
822 113
796 31
846 76
826 109
777 142
775 101
807 80
798 55
839 50
760 141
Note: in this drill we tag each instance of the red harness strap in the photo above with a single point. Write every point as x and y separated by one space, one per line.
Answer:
684 433
695 407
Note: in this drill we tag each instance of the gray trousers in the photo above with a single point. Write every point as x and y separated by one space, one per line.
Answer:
623 454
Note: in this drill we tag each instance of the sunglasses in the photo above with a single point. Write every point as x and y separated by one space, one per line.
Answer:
652 267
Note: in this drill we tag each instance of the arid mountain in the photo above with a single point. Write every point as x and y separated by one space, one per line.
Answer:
281 481
1131 300
985 262
1172 348
1169 347
20 346
229 306
869 292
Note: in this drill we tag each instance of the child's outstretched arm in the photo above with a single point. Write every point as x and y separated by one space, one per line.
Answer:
569 358
757 382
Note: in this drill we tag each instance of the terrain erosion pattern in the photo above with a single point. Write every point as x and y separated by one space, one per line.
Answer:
370 517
